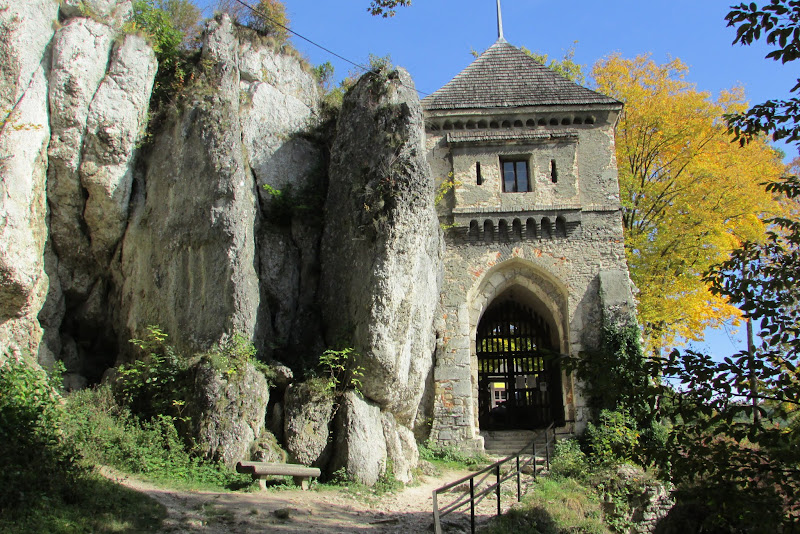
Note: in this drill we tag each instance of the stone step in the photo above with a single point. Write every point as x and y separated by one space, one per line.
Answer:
507 442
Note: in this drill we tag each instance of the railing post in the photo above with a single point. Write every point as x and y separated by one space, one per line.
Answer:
472 504
437 525
497 489
547 448
519 485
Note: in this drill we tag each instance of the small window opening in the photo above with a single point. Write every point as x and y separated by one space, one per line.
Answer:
516 230
530 228
561 226
517 124
515 176
474 231
554 122
488 231
553 171
502 231
478 172
547 229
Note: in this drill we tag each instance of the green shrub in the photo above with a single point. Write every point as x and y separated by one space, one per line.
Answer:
569 460
109 434
36 463
268 17
44 486
158 382
614 439
151 18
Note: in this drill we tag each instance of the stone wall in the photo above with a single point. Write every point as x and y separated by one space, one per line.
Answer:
549 246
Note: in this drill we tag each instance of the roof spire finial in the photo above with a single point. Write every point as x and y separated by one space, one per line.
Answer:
499 23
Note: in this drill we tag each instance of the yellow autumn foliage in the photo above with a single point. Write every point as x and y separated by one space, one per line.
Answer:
689 195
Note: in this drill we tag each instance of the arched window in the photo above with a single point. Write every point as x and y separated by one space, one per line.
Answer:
502 231
530 228
488 231
474 233
516 230
561 226
547 228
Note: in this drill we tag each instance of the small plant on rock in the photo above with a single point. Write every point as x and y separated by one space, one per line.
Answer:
341 370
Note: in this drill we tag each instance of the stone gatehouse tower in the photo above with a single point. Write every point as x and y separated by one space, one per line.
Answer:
535 257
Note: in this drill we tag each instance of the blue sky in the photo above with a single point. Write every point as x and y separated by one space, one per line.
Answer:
432 39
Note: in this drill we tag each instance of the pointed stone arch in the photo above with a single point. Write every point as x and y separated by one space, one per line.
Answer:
546 298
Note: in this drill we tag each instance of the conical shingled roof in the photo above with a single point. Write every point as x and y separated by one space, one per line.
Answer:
506 77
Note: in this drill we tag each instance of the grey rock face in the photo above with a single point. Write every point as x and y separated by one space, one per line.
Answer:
382 246
113 12
228 412
360 447
279 104
188 259
401 448
80 56
25 30
115 120
307 415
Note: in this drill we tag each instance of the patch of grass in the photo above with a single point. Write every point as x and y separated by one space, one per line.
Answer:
340 481
94 505
451 457
44 486
555 506
107 434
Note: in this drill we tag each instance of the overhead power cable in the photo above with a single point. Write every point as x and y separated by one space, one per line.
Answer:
264 16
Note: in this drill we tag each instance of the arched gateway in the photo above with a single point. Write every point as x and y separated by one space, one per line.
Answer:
519 369
534 261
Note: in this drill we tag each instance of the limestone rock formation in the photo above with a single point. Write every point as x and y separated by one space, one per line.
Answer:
188 261
101 237
115 120
112 11
401 448
307 415
359 445
280 104
382 246
228 411
24 132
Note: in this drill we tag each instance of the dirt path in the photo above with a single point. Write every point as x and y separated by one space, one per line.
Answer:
317 511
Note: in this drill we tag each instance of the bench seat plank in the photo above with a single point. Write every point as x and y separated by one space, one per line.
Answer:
259 470
266 468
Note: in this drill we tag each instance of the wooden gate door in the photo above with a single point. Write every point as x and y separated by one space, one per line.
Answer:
519 379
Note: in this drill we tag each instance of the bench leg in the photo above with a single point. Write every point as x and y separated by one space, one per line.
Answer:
262 483
302 482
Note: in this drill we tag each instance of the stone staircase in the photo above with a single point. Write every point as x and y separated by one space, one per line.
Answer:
502 443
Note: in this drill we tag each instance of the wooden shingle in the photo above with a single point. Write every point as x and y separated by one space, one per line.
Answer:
506 77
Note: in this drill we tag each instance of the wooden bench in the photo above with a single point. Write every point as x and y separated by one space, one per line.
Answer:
260 470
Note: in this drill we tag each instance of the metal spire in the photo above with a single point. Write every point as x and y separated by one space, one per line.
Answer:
499 23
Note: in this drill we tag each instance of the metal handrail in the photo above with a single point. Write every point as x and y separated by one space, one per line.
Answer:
472 497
